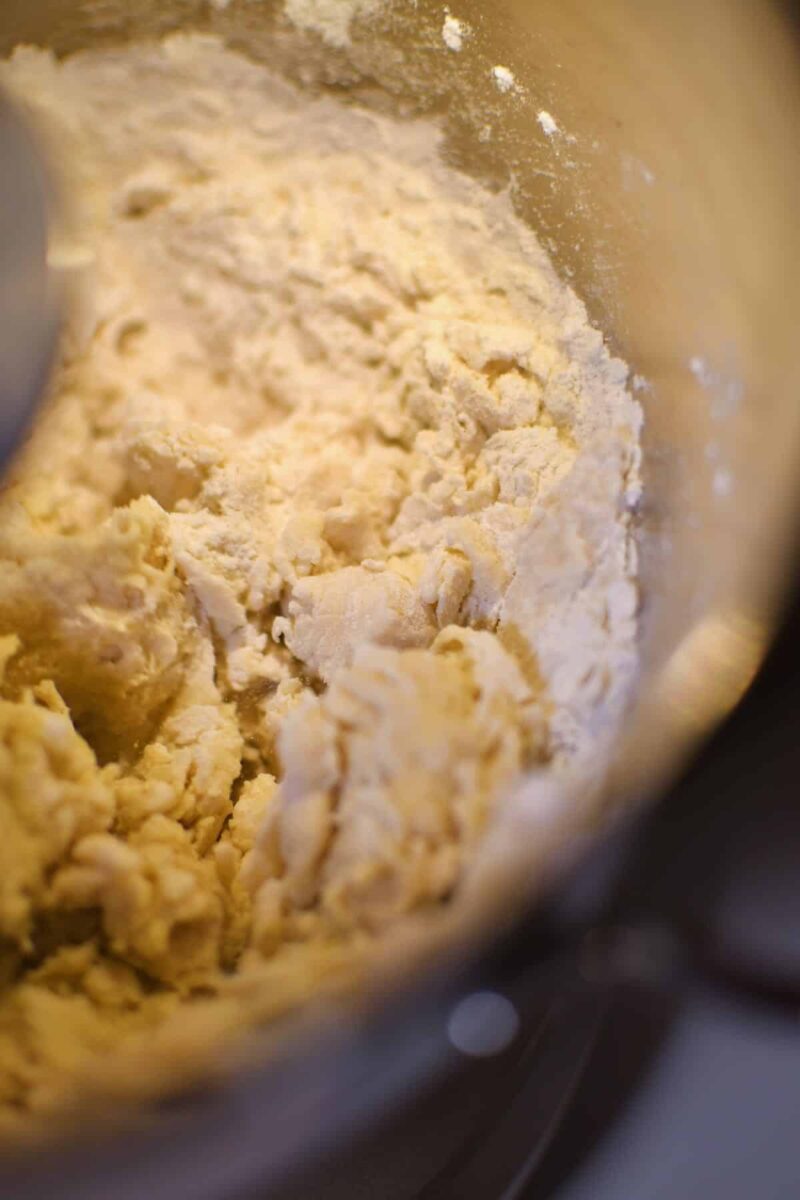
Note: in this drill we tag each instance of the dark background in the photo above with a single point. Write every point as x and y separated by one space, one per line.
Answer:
704 1101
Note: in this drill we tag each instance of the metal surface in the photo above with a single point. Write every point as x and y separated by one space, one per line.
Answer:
27 302
670 198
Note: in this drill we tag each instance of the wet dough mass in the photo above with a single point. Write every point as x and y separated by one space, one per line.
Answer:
323 541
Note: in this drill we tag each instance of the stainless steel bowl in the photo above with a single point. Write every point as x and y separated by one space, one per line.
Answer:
670 200
29 304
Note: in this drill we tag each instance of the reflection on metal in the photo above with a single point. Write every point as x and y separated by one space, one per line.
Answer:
712 668
483 1025
28 323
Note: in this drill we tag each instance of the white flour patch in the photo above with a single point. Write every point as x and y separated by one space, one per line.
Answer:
504 79
330 19
723 483
726 390
548 123
455 33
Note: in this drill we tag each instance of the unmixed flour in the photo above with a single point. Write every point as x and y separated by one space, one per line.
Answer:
330 19
323 542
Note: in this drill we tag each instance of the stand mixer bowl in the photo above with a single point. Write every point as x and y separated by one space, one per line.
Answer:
669 199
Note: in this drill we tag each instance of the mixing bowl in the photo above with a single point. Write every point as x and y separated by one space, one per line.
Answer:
654 149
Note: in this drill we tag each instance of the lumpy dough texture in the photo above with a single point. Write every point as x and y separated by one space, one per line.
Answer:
322 542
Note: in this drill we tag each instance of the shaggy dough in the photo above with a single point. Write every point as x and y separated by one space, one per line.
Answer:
323 541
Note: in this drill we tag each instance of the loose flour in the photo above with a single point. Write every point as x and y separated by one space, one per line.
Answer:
323 541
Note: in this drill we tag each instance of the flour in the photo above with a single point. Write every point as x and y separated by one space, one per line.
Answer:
548 123
330 19
504 79
454 33
332 546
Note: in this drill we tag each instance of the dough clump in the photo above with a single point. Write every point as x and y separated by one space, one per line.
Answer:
321 544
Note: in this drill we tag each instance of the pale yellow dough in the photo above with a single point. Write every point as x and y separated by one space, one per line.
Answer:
323 541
